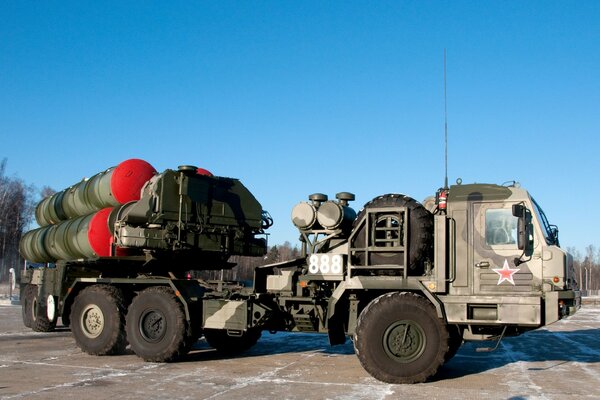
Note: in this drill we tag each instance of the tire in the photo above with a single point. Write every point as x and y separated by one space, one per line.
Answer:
98 320
29 293
156 326
39 313
231 345
454 341
420 232
400 339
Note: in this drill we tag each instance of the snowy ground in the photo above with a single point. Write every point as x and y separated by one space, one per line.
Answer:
8 295
562 361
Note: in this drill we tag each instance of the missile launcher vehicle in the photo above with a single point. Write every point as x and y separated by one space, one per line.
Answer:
409 282
134 213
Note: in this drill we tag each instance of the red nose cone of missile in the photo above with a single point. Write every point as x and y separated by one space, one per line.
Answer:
202 171
128 178
99 235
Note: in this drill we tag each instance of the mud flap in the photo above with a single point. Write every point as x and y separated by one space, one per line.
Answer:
551 307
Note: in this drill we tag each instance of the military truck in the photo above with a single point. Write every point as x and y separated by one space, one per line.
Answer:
408 282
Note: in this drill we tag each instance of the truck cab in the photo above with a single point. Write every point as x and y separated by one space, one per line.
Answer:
503 258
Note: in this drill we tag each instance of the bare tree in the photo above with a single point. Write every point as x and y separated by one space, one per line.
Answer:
591 266
16 210
46 191
587 267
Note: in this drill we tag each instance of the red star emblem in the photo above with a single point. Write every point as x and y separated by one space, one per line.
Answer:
506 273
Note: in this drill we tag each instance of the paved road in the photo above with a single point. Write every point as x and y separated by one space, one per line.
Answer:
560 362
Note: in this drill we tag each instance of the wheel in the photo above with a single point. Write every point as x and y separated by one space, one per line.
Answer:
29 293
454 341
420 231
98 320
156 326
43 312
400 339
231 345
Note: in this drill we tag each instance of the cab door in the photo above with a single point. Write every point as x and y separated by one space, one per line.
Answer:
494 252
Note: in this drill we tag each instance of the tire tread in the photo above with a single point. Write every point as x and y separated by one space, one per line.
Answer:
366 346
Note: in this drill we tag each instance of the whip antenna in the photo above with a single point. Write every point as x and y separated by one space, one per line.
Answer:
441 197
445 128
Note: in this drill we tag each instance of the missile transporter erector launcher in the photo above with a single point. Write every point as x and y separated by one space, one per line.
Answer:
182 214
408 281
168 223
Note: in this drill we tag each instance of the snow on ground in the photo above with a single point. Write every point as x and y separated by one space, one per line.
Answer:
561 361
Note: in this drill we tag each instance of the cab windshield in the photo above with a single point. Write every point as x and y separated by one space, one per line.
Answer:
550 231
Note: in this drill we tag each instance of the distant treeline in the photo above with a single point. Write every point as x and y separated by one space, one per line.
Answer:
244 271
587 267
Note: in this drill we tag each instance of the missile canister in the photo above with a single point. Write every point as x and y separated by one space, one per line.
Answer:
32 246
88 236
115 186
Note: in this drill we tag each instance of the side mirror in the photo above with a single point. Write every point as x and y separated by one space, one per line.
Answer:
523 225
518 210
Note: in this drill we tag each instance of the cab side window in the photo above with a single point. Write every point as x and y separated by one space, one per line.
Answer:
500 227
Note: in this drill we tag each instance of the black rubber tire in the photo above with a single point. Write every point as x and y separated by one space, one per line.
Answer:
455 340
98 320
231 345
39 313
27 298
400 339
420 234
156 327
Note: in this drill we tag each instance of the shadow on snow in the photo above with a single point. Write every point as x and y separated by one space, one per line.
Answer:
552 348
278 343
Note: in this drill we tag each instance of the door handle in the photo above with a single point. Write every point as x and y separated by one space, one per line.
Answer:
483 264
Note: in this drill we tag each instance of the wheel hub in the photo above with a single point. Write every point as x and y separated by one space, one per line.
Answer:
404 341
92 321
153 325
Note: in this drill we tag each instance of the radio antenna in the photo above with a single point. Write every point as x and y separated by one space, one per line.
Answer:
445 128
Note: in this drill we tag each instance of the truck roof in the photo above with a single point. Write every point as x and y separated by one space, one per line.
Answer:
479 192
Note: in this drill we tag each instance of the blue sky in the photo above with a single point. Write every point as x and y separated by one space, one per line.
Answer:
301 97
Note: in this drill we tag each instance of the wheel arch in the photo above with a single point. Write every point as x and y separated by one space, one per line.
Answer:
188 292
155 341
352 296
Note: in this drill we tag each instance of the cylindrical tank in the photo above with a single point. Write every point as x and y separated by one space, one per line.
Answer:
32 246
49 211
88 236
333 215
304 215
115 186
